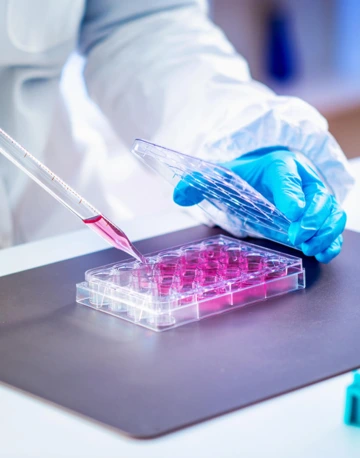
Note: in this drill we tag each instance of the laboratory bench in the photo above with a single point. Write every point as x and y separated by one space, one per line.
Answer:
305 423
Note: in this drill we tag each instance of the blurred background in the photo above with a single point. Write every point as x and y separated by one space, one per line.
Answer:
307 48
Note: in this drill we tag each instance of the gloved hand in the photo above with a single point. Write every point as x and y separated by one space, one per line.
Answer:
317 220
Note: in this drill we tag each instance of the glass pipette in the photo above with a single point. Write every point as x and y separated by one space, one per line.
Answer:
66 195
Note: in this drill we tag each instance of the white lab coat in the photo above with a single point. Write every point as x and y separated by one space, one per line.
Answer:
159 70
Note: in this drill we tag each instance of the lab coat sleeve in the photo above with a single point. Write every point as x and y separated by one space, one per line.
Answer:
166 73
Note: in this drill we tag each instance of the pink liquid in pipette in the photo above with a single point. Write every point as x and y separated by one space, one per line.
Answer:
115 236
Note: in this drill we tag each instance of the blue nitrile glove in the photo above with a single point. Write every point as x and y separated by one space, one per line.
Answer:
289 182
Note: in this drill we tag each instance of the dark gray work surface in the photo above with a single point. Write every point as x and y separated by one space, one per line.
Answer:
146 383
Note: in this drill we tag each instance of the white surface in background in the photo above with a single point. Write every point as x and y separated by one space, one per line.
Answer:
306 423
70 245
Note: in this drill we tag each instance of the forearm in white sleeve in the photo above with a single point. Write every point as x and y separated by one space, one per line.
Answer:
168 74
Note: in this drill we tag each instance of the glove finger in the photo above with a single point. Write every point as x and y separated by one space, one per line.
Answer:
185 194
331 252
318 209
333 226
194 188
284 183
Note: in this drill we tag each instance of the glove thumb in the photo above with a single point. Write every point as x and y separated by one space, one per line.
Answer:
186 195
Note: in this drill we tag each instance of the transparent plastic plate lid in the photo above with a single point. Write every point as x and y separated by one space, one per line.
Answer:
229 201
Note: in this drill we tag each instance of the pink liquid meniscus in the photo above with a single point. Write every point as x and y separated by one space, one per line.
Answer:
113 235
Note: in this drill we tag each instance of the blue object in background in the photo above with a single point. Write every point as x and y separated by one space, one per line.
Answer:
281 51
352 405
346 37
